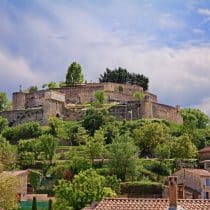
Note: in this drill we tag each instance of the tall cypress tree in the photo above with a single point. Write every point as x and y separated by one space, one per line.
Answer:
34 204
50 205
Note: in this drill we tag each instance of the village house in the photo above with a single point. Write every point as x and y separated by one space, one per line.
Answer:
23 176
193 183
172 203
204 158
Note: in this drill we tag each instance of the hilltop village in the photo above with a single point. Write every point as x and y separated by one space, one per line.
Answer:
69 103
102 146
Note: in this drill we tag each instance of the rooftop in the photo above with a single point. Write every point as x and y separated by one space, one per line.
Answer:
150 204
205 149
16 173
199 172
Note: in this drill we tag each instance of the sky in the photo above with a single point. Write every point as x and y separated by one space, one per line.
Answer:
167 41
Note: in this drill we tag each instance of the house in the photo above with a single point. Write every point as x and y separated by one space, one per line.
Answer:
23 175
193 183
173 203
204 158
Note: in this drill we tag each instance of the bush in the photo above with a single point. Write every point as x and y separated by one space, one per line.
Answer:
142 189
24 131
34 178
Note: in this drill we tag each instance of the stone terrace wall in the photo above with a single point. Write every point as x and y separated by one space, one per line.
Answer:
16 117
166 112
80 93
129 111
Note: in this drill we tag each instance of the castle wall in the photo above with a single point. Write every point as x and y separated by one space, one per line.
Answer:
16 117
35 99
166 112
130 111
18 100
125 89
80 93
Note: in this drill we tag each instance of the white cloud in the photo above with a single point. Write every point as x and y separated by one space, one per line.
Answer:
204 105
169 21
15 71
179 75
203 11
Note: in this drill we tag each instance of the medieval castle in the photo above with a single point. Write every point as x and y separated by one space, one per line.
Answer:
69 103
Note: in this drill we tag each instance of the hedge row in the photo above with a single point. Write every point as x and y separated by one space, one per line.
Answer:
142 188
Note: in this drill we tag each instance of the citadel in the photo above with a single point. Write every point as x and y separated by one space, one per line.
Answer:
69 103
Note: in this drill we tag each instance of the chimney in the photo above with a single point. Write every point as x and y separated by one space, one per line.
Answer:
173 194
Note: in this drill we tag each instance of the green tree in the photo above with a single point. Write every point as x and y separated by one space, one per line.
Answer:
194 118
50 205
34 204
3 124
183 148
122 76
95 146
163 151
81 136
47 146
34 179
7 153
138 95
74 74
149 135
32 89
50 85
5 104
85 188
122 156
94 119
78 160
100 97
57 128
23 131
8 191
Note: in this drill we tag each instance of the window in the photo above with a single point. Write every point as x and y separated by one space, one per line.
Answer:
207 181
206 195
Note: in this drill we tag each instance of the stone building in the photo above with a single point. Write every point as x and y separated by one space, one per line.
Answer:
23 177
193 183
68 103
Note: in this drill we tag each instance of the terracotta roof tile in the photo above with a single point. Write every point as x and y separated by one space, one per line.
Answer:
150 204
205 149
200 172
16 173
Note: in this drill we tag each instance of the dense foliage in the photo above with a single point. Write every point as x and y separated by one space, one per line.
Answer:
86 188
122 76
81 162
74 74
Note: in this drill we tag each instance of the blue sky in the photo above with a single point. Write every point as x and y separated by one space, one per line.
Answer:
168 41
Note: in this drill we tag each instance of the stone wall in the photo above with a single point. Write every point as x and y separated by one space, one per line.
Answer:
16 117
166 112
190 180
128 111
80 93
53 103
18 101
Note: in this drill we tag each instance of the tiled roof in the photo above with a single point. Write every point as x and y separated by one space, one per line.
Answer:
16 173
205 149
150 204
200 172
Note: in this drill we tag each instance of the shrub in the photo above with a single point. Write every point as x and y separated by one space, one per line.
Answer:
143 189
24 131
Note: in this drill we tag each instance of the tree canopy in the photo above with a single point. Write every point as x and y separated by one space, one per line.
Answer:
5 104
86 188
74 74
122 76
